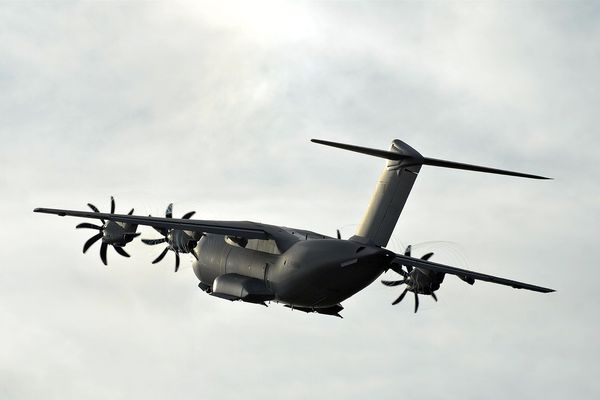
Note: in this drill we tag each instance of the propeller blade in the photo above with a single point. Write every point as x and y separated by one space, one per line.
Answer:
130 212
112 205
94 209
393 283
161 255
189 215
132 235
399 299
427 256
416 302
91 241
121 251
169 212
103 249
399 270
87 225
162 231
339 235
407 253
152 242
434 296
176 261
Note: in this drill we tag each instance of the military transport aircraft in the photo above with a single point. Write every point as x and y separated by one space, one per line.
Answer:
303 270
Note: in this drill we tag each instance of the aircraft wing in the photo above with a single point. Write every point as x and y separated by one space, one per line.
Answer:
466 274
246 229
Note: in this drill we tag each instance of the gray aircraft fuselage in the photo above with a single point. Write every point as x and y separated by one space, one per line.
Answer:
308 273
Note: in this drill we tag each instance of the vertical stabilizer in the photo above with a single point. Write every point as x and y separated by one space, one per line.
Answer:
392 190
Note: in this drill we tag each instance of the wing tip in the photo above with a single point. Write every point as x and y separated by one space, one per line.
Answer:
46 211
60 213
533 288
545 290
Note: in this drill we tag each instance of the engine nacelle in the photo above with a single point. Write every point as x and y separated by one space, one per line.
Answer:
238 287
182 241
425 281
118 233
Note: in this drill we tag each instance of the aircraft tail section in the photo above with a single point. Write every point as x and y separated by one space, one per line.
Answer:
396 182
391 192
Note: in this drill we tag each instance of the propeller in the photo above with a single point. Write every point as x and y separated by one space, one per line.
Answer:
416 280
110 232
177 240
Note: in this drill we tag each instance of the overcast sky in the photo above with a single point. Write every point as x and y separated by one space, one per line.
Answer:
212 106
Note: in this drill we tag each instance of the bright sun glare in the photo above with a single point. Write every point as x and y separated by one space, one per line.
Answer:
265 20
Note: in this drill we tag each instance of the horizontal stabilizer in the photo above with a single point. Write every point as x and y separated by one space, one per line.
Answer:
468 167
412 159
389 155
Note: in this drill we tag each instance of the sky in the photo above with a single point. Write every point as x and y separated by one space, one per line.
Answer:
212 105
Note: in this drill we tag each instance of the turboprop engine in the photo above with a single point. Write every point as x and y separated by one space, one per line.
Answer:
116 234
177 240
417 280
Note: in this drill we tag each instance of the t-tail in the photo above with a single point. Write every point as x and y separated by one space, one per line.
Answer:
396 182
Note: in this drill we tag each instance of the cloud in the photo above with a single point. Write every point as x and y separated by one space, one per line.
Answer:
211 106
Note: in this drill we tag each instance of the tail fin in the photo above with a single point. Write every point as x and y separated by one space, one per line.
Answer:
396 182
